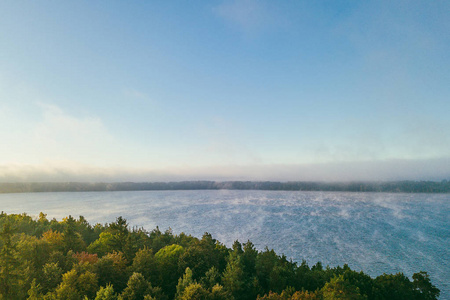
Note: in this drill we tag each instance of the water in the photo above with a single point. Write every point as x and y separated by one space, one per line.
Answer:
373 232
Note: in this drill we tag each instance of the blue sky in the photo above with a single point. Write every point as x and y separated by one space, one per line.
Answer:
263 90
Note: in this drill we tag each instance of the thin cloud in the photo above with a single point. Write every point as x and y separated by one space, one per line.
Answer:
63 136
58 136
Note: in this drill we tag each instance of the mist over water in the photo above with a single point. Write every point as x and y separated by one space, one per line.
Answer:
373 232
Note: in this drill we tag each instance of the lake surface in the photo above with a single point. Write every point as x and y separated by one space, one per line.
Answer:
373 232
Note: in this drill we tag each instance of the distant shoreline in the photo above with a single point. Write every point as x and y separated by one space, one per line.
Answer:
363 186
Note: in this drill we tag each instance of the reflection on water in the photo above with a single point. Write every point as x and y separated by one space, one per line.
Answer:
374 232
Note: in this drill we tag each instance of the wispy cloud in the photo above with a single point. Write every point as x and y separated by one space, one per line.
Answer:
60 135
57 136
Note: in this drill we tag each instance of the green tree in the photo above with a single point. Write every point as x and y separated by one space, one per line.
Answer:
249 259
112 269
201 255
51 277
106 293
233 279
9 266
219 293
137 288
393 287
362 281
144 262
195 292
159 240
167 261
211 278
67 289
265 262
424 288
339 288
75 286
85 230
305 295
71 238
34 293
32 254
183 282
119 231
87 284
103 245
54 239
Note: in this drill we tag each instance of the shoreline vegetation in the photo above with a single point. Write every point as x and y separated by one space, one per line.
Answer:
74 260
363 186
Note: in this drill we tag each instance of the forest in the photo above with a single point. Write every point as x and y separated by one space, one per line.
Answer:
74 260
405 186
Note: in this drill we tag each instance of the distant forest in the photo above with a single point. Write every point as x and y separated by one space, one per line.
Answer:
388 186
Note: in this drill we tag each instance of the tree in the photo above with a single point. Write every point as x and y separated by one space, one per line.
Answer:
103 245
67 289
265 262
87 284
167 261
233 279
106 293
54 239
119 231
75 286
144 262
137 288
362 281
339 288
184 282
249 259
71 238
34 293
393 287
211 278
112 269
51 277
194 292
9 275
290 294
305 295
424 288
219 293
85 230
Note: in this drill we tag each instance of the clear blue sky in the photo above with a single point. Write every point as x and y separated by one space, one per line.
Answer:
172 90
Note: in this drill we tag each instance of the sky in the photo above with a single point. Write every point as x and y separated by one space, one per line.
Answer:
224 90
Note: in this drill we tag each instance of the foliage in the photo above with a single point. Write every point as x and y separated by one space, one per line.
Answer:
43 259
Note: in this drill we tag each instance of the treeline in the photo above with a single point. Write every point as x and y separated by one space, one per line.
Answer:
71 259
388 186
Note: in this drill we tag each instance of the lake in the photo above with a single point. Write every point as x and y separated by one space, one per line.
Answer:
373 232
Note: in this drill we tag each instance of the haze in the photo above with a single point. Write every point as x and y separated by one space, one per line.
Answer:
224 90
